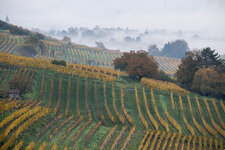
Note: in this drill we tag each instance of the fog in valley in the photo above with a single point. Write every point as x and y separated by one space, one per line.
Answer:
125 39
124 25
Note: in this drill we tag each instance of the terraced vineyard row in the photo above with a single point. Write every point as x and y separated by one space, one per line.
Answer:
156 127
8 42
167 140
168 65
79 54
80 70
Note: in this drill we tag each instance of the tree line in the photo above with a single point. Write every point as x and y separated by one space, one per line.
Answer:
203 71
200 71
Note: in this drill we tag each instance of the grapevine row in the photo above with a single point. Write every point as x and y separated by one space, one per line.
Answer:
154 140
119 136
76 136
68 97
54 147
77 98
43 145
18 121
222 105
130 120
166 141
161 120
128 138
219 130
148 140
49 125
86 99
18 146
183 140
111 117
121 119
177 142
51 91
75 123
160 140
144 139
14 115
206 125
60 126
30 146
93 130
173 122
144 122
100 115
189 142
43 64
218 114
24 126
56 109
172 101
189 127
108 137
7 75
200 128
153 121
42 86
171 141
3 74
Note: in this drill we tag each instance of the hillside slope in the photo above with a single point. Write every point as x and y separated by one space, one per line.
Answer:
86 111
79 54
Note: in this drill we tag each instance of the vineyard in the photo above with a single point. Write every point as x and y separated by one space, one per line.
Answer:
78 54
69 111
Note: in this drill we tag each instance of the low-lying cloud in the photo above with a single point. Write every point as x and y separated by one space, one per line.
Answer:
202 17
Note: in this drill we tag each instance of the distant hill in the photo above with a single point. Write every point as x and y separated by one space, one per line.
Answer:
70 52
13 29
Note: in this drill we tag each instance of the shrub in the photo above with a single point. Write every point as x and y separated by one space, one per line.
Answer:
137 65
20 83
4 91
209 82
59 62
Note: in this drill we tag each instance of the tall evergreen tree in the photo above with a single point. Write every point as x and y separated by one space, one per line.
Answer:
210 59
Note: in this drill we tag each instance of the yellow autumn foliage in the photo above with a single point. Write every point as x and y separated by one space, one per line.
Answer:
160 85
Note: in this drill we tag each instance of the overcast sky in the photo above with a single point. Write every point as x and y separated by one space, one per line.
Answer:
187 15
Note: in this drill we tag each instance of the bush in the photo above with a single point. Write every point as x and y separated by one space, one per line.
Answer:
4 91
59 62
137 65
208 82
20 83
165 77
